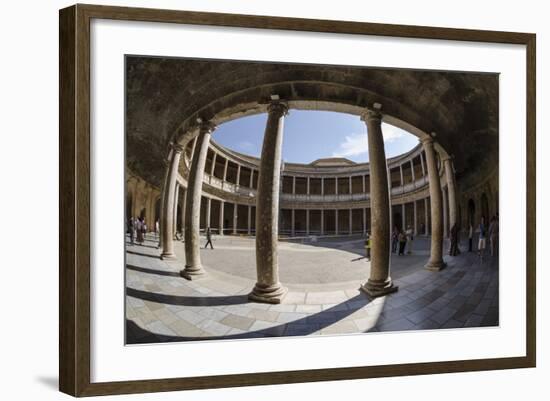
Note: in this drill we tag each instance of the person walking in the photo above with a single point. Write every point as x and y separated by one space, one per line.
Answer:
208 238
409 236
482 243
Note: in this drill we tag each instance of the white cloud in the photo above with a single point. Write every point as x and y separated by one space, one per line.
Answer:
246 146
357 144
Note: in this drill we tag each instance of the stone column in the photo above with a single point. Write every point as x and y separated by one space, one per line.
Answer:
164 190
182 215
292 222
451 191
249 220
322 221
238 180
235 218
213 166
415 224
436 252
364 221
167 226
293 185
307 186
251 178
222 203
401 175
350 187
379 282
307 220
403 217
426 216
336 227
175 211
268 288
193 267
445 217
322 186
225 170
350 223
412 171
336 185
422 165
208 207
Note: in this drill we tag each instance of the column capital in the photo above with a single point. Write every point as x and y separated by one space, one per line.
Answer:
178 148
446 158
277 107
427 140
372 114
205 126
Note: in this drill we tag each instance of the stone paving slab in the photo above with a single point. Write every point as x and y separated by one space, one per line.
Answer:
161 306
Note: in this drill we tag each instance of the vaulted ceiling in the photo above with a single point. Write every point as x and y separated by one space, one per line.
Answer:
164 97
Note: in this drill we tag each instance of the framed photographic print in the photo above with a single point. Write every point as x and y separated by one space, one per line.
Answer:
250 200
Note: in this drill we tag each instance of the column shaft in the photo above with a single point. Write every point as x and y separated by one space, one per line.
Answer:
436 251
175 215
167 226
451 191
307 220
379 282
249 220
208 211
222 205
268 288
445 216
193 266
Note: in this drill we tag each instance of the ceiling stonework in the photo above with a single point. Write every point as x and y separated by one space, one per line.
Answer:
164 97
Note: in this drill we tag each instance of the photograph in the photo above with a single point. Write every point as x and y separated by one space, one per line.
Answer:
273 199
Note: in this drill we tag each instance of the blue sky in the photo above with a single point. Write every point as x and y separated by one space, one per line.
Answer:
311 135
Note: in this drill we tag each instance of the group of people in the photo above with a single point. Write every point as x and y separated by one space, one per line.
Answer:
490 232
136 228
401 240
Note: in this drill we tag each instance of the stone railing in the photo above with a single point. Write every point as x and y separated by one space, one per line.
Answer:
249 192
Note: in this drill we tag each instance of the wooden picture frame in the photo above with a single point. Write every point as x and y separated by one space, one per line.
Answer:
74 204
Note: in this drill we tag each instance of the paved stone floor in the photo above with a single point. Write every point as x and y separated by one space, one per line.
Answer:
323 279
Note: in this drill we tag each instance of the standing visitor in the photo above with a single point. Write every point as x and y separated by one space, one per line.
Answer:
409 237
453 250
157 228
368 246
402 242
208 238
139 230
482 239
131 229
394 239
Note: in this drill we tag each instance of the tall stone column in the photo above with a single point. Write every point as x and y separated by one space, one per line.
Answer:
415 223
249 220
350 222
208 207
451 190
268 288
235 218
175 217
445 216
221 216
426 221
182 216
336 226
193 267
164 190
322 222
379 282
436 250
167 226
307 220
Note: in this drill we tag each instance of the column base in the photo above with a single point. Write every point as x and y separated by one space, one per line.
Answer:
375 288
272 294
435 266
192 273
168 256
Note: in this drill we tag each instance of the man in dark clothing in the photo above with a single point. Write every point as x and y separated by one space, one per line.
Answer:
208 238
